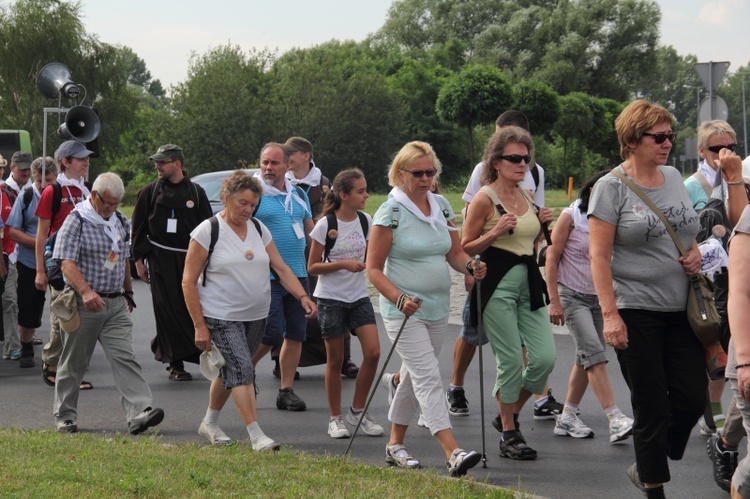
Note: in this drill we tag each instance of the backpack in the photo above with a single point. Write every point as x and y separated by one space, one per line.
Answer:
535 175
28 195
12 195
214 220
55 275
396 210
333 225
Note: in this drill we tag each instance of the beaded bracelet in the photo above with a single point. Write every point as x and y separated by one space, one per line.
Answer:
746 364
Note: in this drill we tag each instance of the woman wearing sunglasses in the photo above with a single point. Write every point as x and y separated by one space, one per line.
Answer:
406 258
713 136
502 224
642 283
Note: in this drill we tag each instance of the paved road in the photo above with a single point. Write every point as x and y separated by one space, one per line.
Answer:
566 467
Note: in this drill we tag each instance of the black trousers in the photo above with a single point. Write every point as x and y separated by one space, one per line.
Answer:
665 369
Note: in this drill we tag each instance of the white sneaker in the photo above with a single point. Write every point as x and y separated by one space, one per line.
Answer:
421 422
567 424
369 426
213 434
337 428
387 382
620 428
265 444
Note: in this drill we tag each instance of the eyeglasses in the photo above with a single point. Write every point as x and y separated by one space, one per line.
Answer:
517 158
162 163
659 138
719 147
419 173
106 203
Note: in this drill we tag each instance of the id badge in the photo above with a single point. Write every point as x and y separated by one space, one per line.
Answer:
112 258
171 226
298 230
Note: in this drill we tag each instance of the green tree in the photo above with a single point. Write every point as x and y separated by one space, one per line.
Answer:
539 103
474 96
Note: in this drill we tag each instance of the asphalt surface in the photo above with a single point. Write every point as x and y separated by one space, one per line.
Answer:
565 468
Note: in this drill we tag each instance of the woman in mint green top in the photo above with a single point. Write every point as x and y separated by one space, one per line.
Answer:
410 260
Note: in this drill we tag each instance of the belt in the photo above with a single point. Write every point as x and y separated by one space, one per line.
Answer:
168 248
110 295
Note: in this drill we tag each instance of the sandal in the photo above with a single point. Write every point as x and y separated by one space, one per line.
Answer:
50 377
349 369
47 374
179 375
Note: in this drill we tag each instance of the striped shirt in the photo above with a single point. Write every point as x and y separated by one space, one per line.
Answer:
281 224
574 269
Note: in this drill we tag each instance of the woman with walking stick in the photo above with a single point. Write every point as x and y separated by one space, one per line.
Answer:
412 238
501 225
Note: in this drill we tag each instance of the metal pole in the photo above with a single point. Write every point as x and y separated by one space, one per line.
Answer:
711 89
480 331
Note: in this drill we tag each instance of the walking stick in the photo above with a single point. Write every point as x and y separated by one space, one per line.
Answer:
415 299
480 331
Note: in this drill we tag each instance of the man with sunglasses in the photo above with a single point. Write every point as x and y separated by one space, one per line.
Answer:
165 214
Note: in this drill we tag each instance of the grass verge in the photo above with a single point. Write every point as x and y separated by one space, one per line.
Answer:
48 464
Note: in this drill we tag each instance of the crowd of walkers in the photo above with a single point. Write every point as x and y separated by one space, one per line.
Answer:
291 249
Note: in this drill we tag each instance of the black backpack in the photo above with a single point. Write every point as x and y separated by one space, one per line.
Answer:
214 220
333 225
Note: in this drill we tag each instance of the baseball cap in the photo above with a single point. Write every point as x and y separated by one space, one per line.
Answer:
74 149
167 151
22 160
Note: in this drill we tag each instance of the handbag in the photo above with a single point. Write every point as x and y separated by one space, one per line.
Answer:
701 307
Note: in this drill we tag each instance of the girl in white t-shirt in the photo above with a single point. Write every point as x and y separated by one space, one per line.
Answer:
343 299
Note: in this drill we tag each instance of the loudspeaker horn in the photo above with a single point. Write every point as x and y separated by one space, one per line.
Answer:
54 79
81 124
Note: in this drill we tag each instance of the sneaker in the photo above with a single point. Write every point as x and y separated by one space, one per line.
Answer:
421 422
390 387
289 400
369 426
635 478
571 425
397 455
549 409
13 355
265 444
461 461
515 448
145 420
706 430
620 428
724 461
457 403
337 428
67 426
497 423
213 434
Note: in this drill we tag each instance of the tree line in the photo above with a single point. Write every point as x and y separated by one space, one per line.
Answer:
437 70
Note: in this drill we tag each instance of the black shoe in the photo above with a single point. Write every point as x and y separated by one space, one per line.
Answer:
27 361
145 420
289 400
515 448
724 461
457 403
497 423
549 409
348 369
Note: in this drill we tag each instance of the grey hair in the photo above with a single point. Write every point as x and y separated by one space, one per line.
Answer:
109 182
49 167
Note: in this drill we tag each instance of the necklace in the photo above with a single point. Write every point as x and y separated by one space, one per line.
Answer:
514 199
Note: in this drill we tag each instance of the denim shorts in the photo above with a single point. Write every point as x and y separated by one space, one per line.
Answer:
583 316
469 333
336 317
286 317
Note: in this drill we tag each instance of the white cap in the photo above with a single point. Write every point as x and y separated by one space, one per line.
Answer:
210 362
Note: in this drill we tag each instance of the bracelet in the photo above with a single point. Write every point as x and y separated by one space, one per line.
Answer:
303 296
469 268
739 182
738 366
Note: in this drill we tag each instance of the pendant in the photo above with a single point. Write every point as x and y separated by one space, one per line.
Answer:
249 255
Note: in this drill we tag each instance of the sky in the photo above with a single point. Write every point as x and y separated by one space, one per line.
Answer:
165 32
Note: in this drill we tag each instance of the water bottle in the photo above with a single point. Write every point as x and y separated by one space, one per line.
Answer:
49 263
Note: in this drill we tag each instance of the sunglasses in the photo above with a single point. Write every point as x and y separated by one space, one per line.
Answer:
659 138
718 148
517 158
419 173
